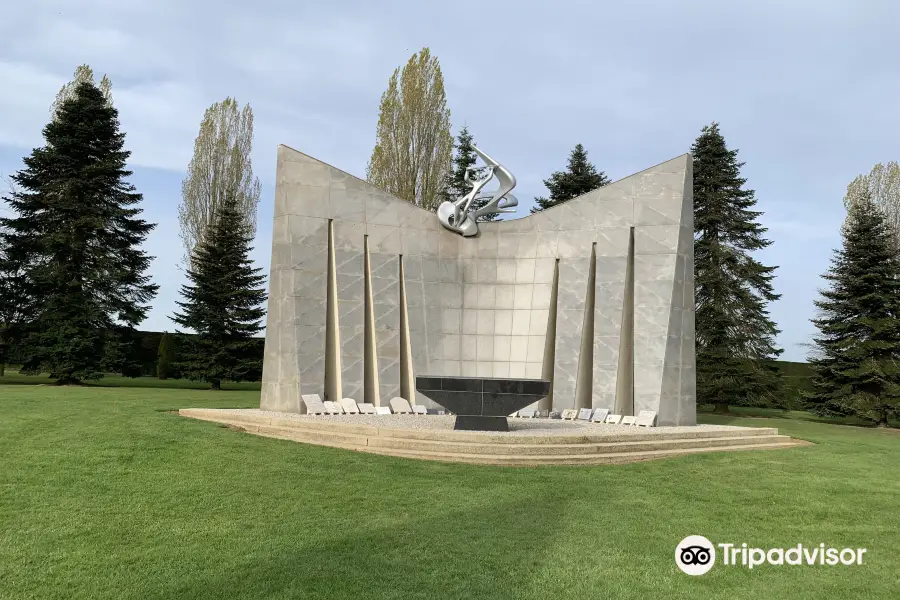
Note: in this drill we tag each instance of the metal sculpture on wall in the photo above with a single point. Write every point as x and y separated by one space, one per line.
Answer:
457 216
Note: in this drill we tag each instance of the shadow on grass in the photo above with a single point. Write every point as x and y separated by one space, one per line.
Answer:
486 552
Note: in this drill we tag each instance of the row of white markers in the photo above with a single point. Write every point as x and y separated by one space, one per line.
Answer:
645 418
400 406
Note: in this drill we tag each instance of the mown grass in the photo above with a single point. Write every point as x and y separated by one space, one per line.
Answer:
794 415
103 494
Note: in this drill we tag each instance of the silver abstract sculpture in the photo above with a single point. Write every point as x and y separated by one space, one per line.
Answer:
456 215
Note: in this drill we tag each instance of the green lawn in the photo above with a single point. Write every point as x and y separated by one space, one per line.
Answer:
103 494
774 413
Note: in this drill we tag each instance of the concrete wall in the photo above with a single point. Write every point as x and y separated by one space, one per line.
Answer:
614 267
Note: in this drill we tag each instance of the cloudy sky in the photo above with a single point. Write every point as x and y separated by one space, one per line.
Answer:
806 89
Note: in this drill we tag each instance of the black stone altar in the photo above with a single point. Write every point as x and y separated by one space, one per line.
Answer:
482 403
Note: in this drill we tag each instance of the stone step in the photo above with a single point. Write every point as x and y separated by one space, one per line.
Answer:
229 417
464 436
569 449
505 451
578 459
484 449
329 438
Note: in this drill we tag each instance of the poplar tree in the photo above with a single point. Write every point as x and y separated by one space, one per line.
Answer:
83 74
413 145
220 168
881 187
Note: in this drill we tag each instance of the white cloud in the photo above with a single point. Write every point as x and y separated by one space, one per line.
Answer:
805 89
166 71
155 116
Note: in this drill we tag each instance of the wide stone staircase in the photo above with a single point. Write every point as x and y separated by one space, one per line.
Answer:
500 449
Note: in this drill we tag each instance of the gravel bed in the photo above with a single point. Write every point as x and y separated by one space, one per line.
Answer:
522 427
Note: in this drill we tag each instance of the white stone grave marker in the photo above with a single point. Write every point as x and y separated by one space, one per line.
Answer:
314 405
646 418
333 408
569 414
350 407
599 415
400 406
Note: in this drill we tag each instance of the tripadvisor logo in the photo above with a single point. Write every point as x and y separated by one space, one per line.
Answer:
696 555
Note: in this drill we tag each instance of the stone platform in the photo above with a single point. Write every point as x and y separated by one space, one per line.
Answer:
528 442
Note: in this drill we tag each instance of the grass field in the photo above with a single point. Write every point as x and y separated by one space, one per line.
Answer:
103 494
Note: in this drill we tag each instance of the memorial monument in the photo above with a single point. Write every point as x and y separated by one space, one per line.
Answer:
482 403
595 296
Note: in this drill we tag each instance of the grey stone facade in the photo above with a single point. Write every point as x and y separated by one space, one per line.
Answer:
596 294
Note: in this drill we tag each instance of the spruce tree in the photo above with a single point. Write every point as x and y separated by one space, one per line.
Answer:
164 356
858 345
455 186
222 304
76 237
735 336
580 177
15 305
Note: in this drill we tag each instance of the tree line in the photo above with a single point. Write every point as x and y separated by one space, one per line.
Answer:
73 282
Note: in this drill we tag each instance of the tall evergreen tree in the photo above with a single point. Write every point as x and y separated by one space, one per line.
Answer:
164 356
222 303
76 236
15 305
735 336
856 366
455 185
580 177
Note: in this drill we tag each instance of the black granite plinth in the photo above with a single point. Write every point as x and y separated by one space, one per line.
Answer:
482 403
475 423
